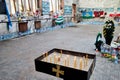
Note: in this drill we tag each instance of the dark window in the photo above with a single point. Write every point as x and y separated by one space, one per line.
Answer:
2 7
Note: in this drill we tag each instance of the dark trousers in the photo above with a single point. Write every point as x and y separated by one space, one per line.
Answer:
108 40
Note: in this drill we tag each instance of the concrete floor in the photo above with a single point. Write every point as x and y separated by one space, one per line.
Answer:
17 55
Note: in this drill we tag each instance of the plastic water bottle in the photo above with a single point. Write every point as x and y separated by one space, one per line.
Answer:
102 49
116 60
114 51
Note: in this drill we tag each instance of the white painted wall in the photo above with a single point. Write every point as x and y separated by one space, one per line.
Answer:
3 28
99 3
68 2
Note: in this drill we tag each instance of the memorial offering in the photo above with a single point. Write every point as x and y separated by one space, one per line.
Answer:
69 65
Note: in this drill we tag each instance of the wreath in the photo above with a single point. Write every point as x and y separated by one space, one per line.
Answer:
108 31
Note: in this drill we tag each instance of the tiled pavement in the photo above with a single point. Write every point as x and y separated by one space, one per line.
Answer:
17 55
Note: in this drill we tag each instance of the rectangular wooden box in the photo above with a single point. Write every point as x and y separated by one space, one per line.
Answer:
67 73
23 26
37 24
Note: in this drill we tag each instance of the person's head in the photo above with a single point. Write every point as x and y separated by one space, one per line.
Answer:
105 13
109 23
51 13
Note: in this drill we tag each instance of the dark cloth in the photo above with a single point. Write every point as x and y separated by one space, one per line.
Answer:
96 13
98 45
108 40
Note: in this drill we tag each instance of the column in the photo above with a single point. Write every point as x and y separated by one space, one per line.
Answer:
26 5
33 6
12 7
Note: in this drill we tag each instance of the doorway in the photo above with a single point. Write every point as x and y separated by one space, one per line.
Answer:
73 12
